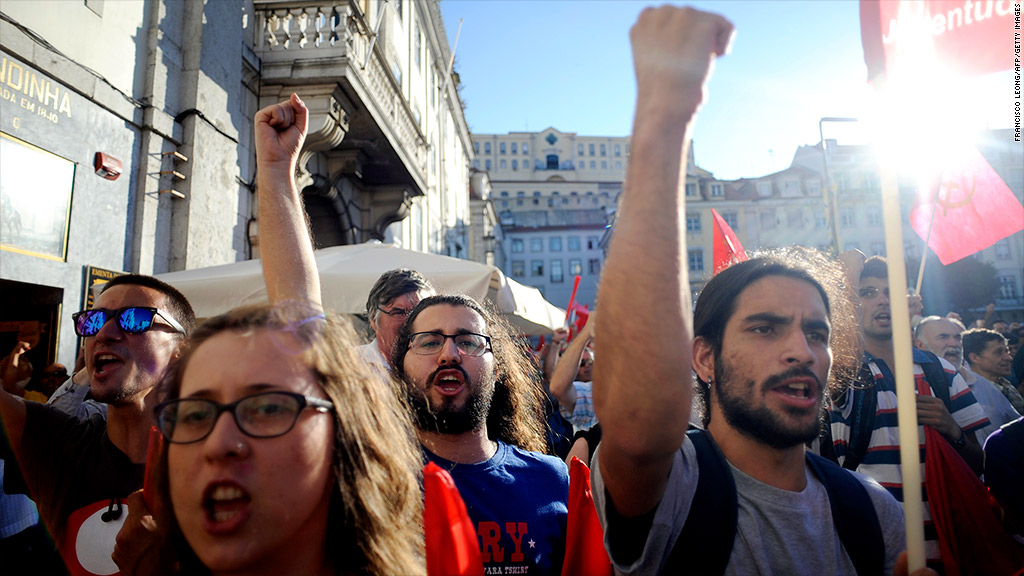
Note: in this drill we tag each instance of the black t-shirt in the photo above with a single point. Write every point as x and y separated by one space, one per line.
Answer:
72 470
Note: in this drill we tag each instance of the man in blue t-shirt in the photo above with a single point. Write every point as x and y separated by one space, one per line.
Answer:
477 412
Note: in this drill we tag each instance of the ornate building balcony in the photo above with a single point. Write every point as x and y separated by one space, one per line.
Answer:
365 146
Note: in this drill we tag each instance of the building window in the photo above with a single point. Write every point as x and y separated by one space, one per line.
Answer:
536 244
504 193
618 164
526 148
691 189
565 201
693 222
487 164
592 243
768 220
796 218
716 190
594 266
487 147
877 249
419 47
518 268
820 221
515 164
764 189
556 272
575 267
555 244
536 201
1003 249
732 219
847 217
604 164
476 163
536 193
593 165
579 149
537 268
503 164
504 203
517 245
603 150
696 260
874 216
910 251
618 150
813 189
1008 286
574 243
476 147
514 151
552 160
501 147
519 202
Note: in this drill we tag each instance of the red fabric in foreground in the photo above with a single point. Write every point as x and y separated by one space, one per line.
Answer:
584 542
451 543
971 538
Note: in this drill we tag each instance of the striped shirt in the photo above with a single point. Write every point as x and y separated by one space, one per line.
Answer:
882 459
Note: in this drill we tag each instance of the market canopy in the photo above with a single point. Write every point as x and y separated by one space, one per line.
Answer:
348 272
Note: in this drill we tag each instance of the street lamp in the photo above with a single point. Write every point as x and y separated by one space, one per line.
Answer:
831 197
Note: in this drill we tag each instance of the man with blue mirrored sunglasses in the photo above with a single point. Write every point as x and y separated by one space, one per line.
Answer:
79 471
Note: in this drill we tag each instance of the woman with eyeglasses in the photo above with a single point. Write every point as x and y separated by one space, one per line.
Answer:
284 455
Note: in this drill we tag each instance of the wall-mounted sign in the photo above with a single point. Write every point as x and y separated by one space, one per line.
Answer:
35 199
94 278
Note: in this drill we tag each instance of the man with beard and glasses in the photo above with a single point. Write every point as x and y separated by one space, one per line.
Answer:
944 338
477 410
79 471
762 351
868 440
478 415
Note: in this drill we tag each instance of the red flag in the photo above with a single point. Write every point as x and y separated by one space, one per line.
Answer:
451 543
726 246
582 314
584 540
971 538
973 209
968 38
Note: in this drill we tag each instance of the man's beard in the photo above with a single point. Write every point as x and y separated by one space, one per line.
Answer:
762 423
447 418
958 356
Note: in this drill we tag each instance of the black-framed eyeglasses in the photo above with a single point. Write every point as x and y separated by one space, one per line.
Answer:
871 292
131 319
263 415
396 312
467 343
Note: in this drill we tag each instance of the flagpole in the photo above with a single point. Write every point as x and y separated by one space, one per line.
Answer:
906 394
568 310
927 239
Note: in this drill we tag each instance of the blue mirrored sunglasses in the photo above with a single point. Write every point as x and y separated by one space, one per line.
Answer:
131 319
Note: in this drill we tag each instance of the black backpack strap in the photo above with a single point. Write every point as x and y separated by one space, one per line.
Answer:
705 543
853 514
862 418
937 378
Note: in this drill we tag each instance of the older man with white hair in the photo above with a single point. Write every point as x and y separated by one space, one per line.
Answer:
944 338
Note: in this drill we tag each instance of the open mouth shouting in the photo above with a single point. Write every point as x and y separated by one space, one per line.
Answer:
798 391
105 363
449 381
225 507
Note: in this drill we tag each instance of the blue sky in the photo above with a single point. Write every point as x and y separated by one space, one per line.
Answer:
528 65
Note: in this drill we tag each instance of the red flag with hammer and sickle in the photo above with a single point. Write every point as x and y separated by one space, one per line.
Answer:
969 209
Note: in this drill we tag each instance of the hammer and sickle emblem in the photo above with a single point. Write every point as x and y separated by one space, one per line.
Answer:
948 202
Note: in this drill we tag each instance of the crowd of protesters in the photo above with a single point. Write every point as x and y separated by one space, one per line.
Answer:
752 433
